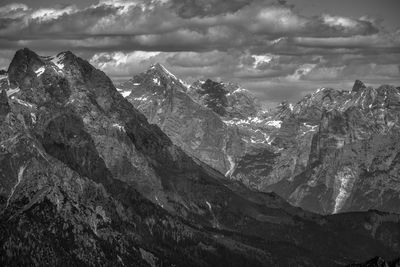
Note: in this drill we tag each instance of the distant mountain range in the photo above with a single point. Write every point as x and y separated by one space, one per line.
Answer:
87 180
331 152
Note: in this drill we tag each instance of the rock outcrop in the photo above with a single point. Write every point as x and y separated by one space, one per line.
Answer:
377 262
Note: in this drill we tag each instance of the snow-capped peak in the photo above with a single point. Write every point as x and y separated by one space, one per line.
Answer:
166 73
58 60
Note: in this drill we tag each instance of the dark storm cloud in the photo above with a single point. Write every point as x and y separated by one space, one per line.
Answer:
202 8
262 44
252 22
51 3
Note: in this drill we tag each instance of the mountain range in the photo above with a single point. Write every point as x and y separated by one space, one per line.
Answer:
179 175
333 151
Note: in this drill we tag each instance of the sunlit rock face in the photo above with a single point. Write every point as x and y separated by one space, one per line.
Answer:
163 99
313 153
352 159
219 123
86 180
201 118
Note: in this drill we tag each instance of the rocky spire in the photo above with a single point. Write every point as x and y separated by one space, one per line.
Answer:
358 86
22 67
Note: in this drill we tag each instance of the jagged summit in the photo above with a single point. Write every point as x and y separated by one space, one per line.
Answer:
26 65
226 99
161 71
358 86
33 61
46 79
22 66
155 82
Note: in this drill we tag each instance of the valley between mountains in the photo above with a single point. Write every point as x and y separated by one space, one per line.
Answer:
156 172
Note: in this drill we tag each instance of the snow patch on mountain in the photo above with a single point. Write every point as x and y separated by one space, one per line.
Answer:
276 124
10 92
250 120
58 61
168 72
119 127
240 90
156 81
40 71
24 103
142 98
123 92
309 128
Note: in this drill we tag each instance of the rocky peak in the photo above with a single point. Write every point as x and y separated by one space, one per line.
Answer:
76 67
358 86
48 79
22 68
214 94
157 79
164 76
226 99
161 70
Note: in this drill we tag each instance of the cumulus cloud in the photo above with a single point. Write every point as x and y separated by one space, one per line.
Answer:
119 64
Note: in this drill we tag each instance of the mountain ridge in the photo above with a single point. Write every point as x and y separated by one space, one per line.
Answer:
86 180
268 150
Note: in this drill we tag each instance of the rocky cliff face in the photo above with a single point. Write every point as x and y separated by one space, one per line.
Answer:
163 99
215 122
86 180
352 156
331 152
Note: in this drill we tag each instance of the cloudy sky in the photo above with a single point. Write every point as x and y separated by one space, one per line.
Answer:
278 49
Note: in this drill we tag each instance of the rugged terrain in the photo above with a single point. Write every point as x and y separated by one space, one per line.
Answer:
86 180
377 262
352 160
215 122
331 152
